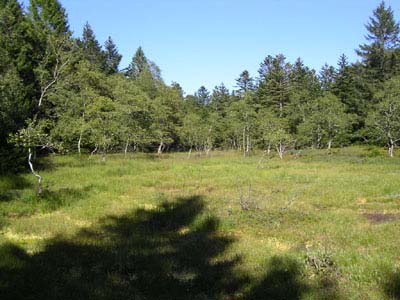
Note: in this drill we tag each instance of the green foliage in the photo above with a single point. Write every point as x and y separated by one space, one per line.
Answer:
384 121
49 15
113 58
326 123
245 83
379 56
91 49
68 94
138 65
273 89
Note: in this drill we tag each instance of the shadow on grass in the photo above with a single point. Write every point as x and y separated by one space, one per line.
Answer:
165 253
171 252
17 204
392 286
11 186
285 279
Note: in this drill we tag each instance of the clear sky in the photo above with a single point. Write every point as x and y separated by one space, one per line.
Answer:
206 42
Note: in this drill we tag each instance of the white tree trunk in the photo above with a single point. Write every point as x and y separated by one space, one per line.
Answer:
280 149
93 152
38 177
329 144
391 149
160 148
79 145
244 141
126 147
190 152
248 146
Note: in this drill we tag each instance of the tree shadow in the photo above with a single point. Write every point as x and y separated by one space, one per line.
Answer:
391 286
11 186
286 279
167 253
171 252
283 280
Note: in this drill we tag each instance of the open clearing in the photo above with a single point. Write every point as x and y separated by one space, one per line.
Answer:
313 226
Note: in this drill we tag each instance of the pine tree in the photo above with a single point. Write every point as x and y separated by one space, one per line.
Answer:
91 49
17 78
303 87
220 99
113 58
327 77
245 82
345 87
138 65
383 37
51 15
202 96
273 89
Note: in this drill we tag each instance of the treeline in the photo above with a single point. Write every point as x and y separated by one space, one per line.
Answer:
69 95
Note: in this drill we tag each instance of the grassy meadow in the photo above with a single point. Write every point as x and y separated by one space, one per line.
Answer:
310 226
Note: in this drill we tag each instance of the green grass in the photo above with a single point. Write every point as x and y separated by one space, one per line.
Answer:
312 226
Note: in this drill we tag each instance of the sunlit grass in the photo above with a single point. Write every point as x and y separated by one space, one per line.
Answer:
344 206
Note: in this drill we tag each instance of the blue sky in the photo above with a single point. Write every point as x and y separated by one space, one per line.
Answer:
206 42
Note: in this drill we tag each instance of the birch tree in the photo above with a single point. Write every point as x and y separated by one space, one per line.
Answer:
384 120
326 123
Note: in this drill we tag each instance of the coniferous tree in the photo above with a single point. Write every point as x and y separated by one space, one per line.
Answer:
245 82
112 57
17 78
49 14
219 99
273 89
91 49
327 77
303 87
345 87
138 65
379 55
202 96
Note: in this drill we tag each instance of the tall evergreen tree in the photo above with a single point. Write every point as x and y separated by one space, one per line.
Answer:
303 87
112 57
383 36
49 14
138 65
273 89
220 98
327 77
91 49
345 87
245 82
202 96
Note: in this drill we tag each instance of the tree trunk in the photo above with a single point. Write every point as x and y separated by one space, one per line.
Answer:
79 145
280 149
38 177
160 148
126 147
391 148
190 152
329 145
244 141
93 152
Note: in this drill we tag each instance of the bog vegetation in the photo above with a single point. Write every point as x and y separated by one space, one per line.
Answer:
241 195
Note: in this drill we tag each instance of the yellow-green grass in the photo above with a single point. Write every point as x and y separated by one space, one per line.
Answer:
311 226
